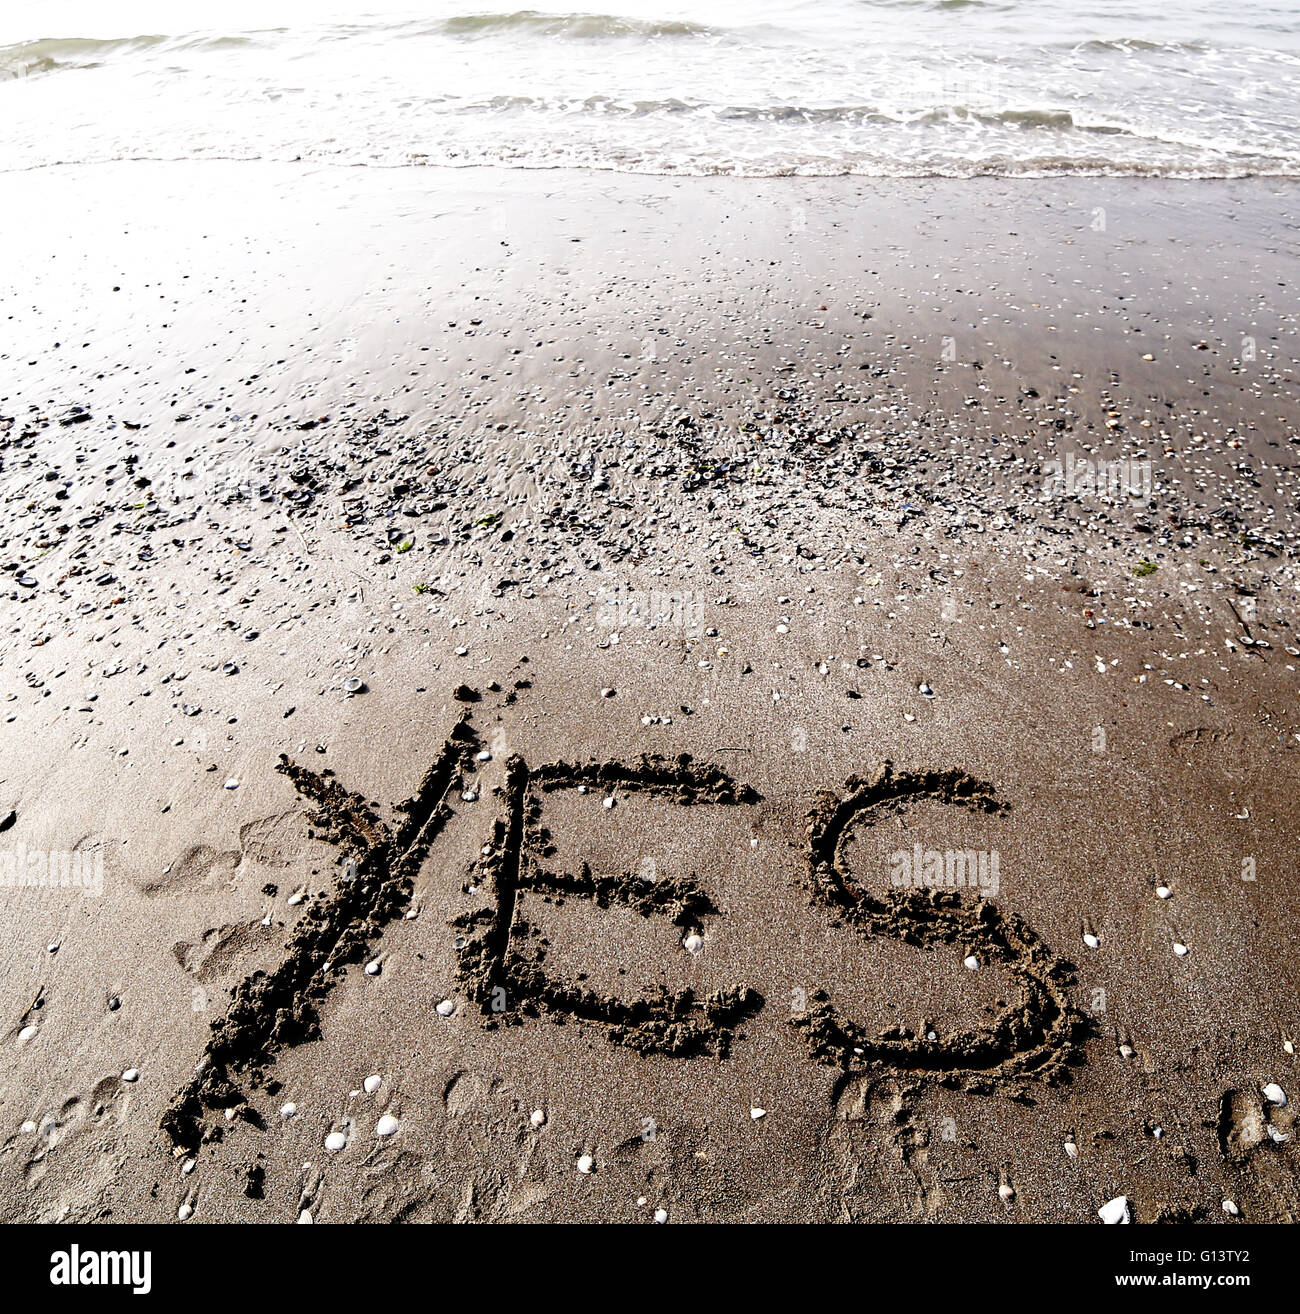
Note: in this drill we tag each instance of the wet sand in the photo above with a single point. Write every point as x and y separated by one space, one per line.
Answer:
473 489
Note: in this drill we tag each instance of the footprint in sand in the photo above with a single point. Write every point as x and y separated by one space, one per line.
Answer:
268 842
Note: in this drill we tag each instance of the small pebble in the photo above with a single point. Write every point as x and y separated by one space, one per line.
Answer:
288 1111
232 783
1091 941
373 967
1181 950
661 1215
586 1164
446 1008
757 1114
537 1118
1164 892
131 1074
971 962
693 943
1230 1209
184 1212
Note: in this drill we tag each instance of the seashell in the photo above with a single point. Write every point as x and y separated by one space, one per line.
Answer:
661 1215
372 1083
693 943
1181 950
1115 1211
1274 1094
537 1118
335 1141
1230 1209
586 1164
131 1074
971 962
386 1126
288 1111
446 1008
758 1114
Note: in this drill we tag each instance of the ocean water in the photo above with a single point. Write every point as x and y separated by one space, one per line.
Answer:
1192 88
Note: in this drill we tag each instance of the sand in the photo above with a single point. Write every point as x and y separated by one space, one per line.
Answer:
513 634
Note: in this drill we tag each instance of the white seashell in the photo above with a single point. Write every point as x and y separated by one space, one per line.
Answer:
1288 1047
661 1215
1091 941
1230 1209
468 796
1164 892
586 1164
287 1111
971 962
757 1114
335 1141
386 1126
609 802
372 1083
28 1127
1274 1094
373 967
693 943
1071 1150
1006 1191
232 783
353 685
188 1167
305 1216
27 1032
1126 1051
1181 950
537 1118
1115 1211
446 1008
131 1074
184 1212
